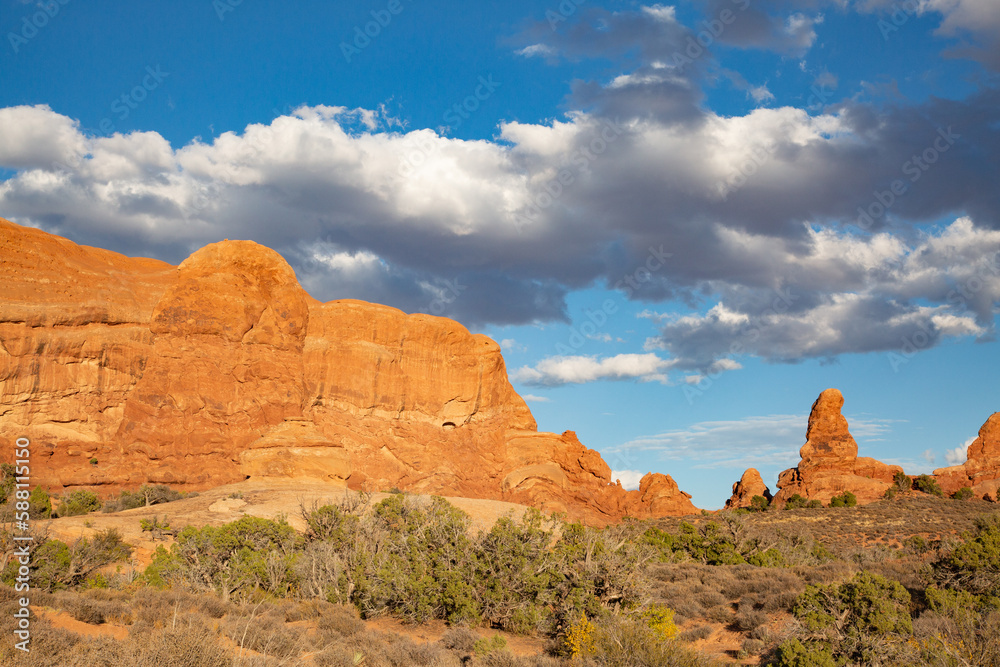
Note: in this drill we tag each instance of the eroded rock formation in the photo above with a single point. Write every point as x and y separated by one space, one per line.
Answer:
125 371
750 485
830 464
981 471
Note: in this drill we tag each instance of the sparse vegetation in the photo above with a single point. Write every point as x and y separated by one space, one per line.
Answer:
901 483
884 584
796 502
56 565
927 484
78 502
846 499
144 496
39 504
159 528
965 493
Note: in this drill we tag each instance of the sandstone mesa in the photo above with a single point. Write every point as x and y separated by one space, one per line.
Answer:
124 371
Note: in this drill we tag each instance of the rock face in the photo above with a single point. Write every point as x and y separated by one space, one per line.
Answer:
127 371
750 485
830 464
981 472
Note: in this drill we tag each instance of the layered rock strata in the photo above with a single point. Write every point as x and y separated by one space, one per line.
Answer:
125 371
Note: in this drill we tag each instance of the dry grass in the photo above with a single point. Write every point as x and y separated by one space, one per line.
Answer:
885 522
175 628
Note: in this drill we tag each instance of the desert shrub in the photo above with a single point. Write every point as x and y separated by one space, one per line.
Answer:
79 502
211 606
752 646
55 565
769 558
423 565
340 621
793 653
796 501
865 620
620 641
916 544
486 645
233 560
88 611
960 628
39 504
49 645
721 613
965 493
516 571
158 527
264 633
696 633
927 484
901 483
7 481
708 545
748 620
332 524
144 496
660 619
186 644
759 504
974 564
415 560
846 499
459 638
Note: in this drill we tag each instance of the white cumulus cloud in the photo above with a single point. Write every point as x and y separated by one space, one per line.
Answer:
554 371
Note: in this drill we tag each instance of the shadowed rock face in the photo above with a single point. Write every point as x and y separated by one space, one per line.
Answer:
750 485
224 368
830 464
981 472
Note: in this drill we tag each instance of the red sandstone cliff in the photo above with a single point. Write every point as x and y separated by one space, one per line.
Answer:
224 368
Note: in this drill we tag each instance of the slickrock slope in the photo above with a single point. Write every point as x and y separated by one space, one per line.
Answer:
750 485
830 464
126 371
981 472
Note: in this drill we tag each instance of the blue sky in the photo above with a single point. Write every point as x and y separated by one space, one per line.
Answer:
681 221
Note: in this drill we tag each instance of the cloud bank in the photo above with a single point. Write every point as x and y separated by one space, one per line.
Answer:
790 234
